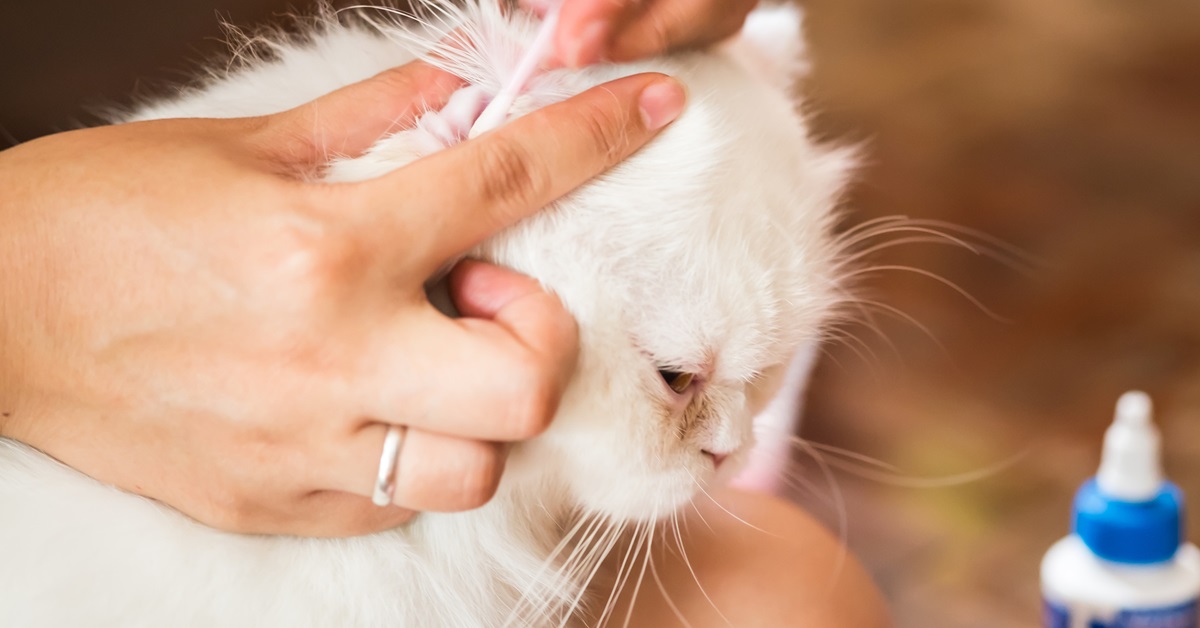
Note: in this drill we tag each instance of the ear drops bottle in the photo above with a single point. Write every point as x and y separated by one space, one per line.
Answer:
1126 564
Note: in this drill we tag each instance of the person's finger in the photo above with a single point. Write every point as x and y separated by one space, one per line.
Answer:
535 317
348 121
327 513
434 472
337 514
454 199
467 377
677 25
538 7
585 28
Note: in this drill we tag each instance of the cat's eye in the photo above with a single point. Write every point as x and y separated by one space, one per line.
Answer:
676 381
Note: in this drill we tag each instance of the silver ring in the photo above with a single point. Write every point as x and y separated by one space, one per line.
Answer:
385 480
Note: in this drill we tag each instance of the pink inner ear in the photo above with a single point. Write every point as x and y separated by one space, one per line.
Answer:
470 111
464 108
438 129
541 48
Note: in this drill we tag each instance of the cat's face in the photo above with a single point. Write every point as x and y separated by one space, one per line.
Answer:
695 270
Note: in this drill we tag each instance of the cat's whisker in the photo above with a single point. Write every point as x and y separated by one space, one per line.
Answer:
622 574
825 448
867 467
674 526
531 558
938 278
727 511
699 514
639 542
454 39
695 578
932 237
541 576
1018 258
543 606
592 560
984 244
613 535
839 332
798 481
842 517
884 473
899 314
637 587
667 597
868 321
853 343
891 244
827 354
594 545
795 479
872 223
852 455
380 9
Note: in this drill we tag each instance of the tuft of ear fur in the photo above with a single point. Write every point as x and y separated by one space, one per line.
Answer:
771 44
476 41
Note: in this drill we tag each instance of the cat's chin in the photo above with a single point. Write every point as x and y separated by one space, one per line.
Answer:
650 497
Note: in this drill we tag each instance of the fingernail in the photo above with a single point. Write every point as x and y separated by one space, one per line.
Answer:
589 46
661 102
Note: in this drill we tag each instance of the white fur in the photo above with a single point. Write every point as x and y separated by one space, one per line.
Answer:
708 251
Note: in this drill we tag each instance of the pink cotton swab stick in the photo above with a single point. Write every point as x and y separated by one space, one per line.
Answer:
543 44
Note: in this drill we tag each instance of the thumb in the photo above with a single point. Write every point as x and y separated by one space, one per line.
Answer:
585 28
348 121
534 317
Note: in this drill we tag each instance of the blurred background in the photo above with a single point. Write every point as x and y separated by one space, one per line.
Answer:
1068 129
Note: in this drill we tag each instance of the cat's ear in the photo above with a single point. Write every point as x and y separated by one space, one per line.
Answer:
771 44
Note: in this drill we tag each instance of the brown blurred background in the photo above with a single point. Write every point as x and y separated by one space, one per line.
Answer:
1070 129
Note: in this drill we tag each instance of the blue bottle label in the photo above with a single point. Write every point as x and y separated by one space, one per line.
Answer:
1055 615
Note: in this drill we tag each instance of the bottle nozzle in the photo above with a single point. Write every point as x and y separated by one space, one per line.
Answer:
1129 514
1134 408
1130 469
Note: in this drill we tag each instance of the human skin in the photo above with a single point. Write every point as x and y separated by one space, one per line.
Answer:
626 30
748 560
88 310
63 181
186 315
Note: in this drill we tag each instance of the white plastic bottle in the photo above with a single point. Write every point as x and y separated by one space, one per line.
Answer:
1126 564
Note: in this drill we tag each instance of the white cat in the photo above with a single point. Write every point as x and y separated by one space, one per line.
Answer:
708 253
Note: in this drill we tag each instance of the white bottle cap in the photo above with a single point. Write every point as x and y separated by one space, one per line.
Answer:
1130 469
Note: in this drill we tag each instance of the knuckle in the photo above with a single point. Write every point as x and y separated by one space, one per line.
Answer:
231 511
606 127
314 254
659 35
511 175
481 476
336 256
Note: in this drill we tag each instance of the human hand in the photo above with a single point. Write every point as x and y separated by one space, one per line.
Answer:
183 315
625 30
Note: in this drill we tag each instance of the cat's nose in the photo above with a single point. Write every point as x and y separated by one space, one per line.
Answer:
716 458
